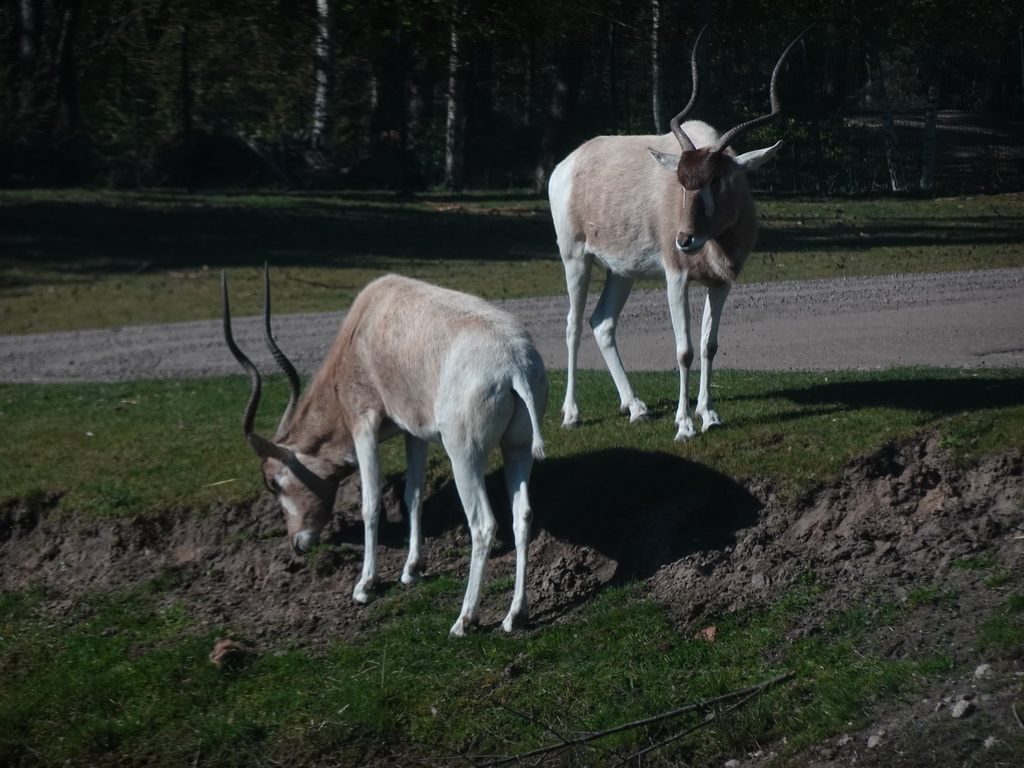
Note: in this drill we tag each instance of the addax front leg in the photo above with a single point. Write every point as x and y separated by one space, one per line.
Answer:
368 456
708 347
679 308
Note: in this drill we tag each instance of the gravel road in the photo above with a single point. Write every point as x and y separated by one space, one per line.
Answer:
960 319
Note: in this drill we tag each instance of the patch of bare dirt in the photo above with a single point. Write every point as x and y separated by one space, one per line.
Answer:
892 523
896 527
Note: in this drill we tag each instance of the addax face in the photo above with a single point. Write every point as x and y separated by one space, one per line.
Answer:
705 177
707 201
305 486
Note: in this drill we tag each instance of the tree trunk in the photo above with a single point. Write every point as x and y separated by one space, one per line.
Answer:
418 98
322 67
656 89
189 172
186 86
815 124
568 74
894 161
28 55
482 148
929 143
613 78
530 86
454 149
66 119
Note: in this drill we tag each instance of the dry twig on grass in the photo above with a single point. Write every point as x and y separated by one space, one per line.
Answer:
745 695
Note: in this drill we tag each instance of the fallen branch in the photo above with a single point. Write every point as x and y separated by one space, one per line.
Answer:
744 694
709 718
535 721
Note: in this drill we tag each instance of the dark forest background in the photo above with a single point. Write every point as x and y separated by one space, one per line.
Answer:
414 94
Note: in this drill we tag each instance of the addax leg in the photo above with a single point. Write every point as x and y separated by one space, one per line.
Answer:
368 455
604 321
708 347
679 308
577 280
468 468
518 463
416 463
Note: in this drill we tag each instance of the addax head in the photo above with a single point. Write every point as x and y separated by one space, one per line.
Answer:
304 484
707 174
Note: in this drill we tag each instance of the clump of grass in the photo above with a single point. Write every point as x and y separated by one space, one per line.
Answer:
1004 633
931 595
994 575
978 563
326 559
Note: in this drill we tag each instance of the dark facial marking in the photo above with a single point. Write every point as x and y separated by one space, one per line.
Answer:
698 167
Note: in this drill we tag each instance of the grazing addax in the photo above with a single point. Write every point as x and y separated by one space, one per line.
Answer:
435 365
644 210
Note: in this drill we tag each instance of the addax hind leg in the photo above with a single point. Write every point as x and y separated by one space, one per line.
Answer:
468 466
604 322
518 465
416 462
577 279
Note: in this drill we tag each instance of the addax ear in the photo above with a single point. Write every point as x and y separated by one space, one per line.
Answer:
748 161
666 161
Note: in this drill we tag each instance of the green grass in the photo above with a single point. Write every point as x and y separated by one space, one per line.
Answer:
78 259
1004 633
133 680
882 236
139 447
931 595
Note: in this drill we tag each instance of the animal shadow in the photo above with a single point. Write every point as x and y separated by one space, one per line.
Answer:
641 509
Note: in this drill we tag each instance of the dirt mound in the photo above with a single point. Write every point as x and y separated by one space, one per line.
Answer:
894 520
234 568
897 527
891 523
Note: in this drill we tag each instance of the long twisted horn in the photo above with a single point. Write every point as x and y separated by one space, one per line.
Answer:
254 375
731 135
681 137
279 357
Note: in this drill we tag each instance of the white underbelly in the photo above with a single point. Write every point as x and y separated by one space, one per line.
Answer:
395 426
646 264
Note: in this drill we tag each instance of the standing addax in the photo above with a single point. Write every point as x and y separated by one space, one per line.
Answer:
643 208
434 365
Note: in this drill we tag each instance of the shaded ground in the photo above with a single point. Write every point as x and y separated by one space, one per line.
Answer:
892 522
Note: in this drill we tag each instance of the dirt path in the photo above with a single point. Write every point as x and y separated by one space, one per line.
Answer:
960 319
